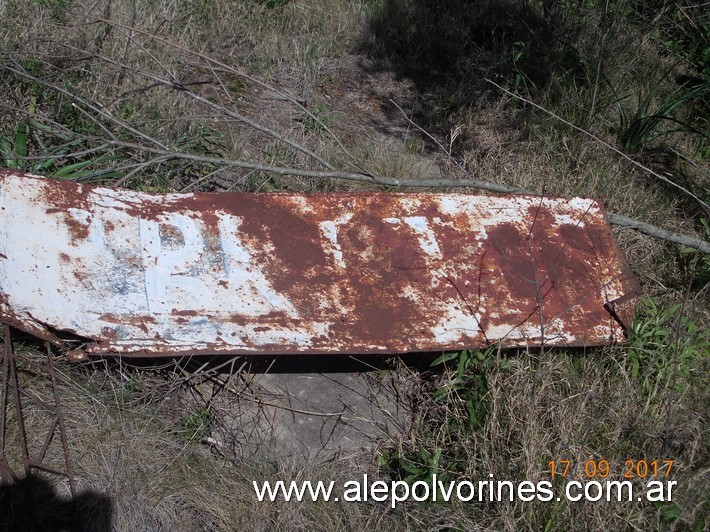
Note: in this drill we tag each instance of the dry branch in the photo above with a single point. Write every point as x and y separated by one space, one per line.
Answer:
603 143
162 153
236 71
616 219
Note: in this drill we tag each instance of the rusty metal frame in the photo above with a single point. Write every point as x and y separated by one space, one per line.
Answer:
11 387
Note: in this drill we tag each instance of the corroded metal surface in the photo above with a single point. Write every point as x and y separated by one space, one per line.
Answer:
135 273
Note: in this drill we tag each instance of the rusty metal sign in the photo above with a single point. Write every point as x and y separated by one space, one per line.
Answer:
133 273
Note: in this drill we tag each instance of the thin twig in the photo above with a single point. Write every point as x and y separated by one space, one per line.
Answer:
135 169
296 410
246 76
602 142
616 219
23 73
164 154
657 232
205 101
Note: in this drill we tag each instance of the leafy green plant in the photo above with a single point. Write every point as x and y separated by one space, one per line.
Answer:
54 151
324 118
459 408
682 27
665 346
420 465
196 423
643 127
519 77
277 155
15 150
467 392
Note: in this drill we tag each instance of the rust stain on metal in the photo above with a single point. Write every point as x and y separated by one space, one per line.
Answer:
148 274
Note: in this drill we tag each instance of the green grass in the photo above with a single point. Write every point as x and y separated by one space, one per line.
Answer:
79 101
666 348
646 124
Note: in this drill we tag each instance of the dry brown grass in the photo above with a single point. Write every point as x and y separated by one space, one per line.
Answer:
136 434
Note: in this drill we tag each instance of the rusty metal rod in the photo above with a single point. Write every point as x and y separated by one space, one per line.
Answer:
60 420
5 471
48 440
15 383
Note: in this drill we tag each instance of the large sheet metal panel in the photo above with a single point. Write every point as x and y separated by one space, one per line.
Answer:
144 274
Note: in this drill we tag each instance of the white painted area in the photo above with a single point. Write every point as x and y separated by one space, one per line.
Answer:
456 325
583 205
168 279
561 219
425 236
409 203
71 283
506 332
301 205
281 336
329 230
555 328
125 200
246 281
452 205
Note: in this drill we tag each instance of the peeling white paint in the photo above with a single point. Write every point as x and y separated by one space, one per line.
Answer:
329 230
154 274
561 219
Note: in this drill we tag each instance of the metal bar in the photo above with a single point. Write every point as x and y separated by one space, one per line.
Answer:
6 472
121 272
60 421
47 440
15 384
40 402
44 467
10 379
